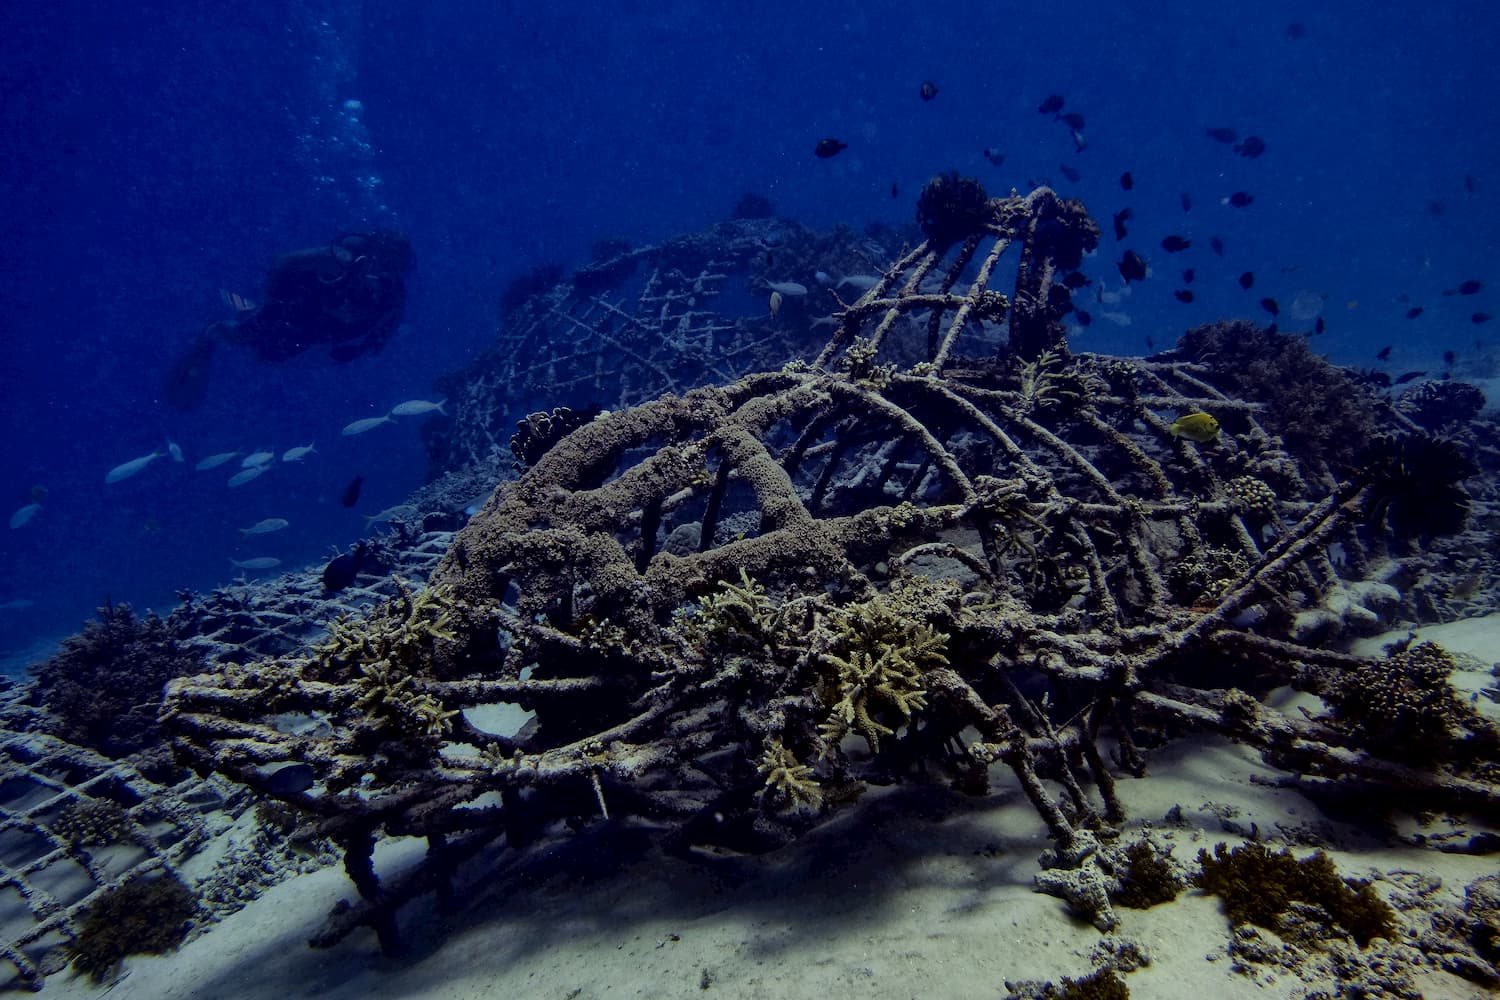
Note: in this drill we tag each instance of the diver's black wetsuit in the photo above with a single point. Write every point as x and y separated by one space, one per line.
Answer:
350 295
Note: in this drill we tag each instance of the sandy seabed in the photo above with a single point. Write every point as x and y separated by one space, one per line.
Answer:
914 892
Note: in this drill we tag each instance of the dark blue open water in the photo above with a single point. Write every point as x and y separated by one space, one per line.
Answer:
152 154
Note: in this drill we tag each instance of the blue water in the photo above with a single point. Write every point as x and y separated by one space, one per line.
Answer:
155 153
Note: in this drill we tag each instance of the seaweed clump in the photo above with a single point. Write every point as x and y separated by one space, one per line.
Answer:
1105 984
104 688
1402 705
142 916
1258 886
952 208
1148 879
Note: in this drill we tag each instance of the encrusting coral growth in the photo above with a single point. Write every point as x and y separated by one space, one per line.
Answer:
945 549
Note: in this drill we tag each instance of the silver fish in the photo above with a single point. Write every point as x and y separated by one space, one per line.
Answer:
367 424
298 453
417 407
255 458
127 469
214 461
787 287
175 450
259 562
245 475
266 526
25 514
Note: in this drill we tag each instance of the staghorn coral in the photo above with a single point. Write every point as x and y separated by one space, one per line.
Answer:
879 661
789 783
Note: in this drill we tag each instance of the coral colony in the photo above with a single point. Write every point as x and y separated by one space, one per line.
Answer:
940 547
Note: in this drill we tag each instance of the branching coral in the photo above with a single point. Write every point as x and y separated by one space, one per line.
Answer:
789 783
879 662
1403 705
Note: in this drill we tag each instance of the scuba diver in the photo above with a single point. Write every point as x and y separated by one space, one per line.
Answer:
349 295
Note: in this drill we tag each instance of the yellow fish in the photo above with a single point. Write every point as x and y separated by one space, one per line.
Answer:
1195 427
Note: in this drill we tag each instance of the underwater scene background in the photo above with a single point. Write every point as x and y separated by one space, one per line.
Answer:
156 154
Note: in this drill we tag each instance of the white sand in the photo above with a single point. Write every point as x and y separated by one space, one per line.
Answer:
914 892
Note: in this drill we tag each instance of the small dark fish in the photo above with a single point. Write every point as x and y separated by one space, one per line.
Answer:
1126 181
1070 173
1120 218
1478 318
1150 344
895 191
1247 280
1241 198
341 570
289 778
1217 244
1183 295
1222 134
1084 319
1384 354
1403 297
1072 119
1132 267
350 496
1469 184
929 90
1075 279
1187 202
1319 326
1270 306
1448 358
1436 208
1406 377
994 156
1175 244
1380 379
1414 312
1188 275
1296 31
1051 105
829 147
1469 287
1250 147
